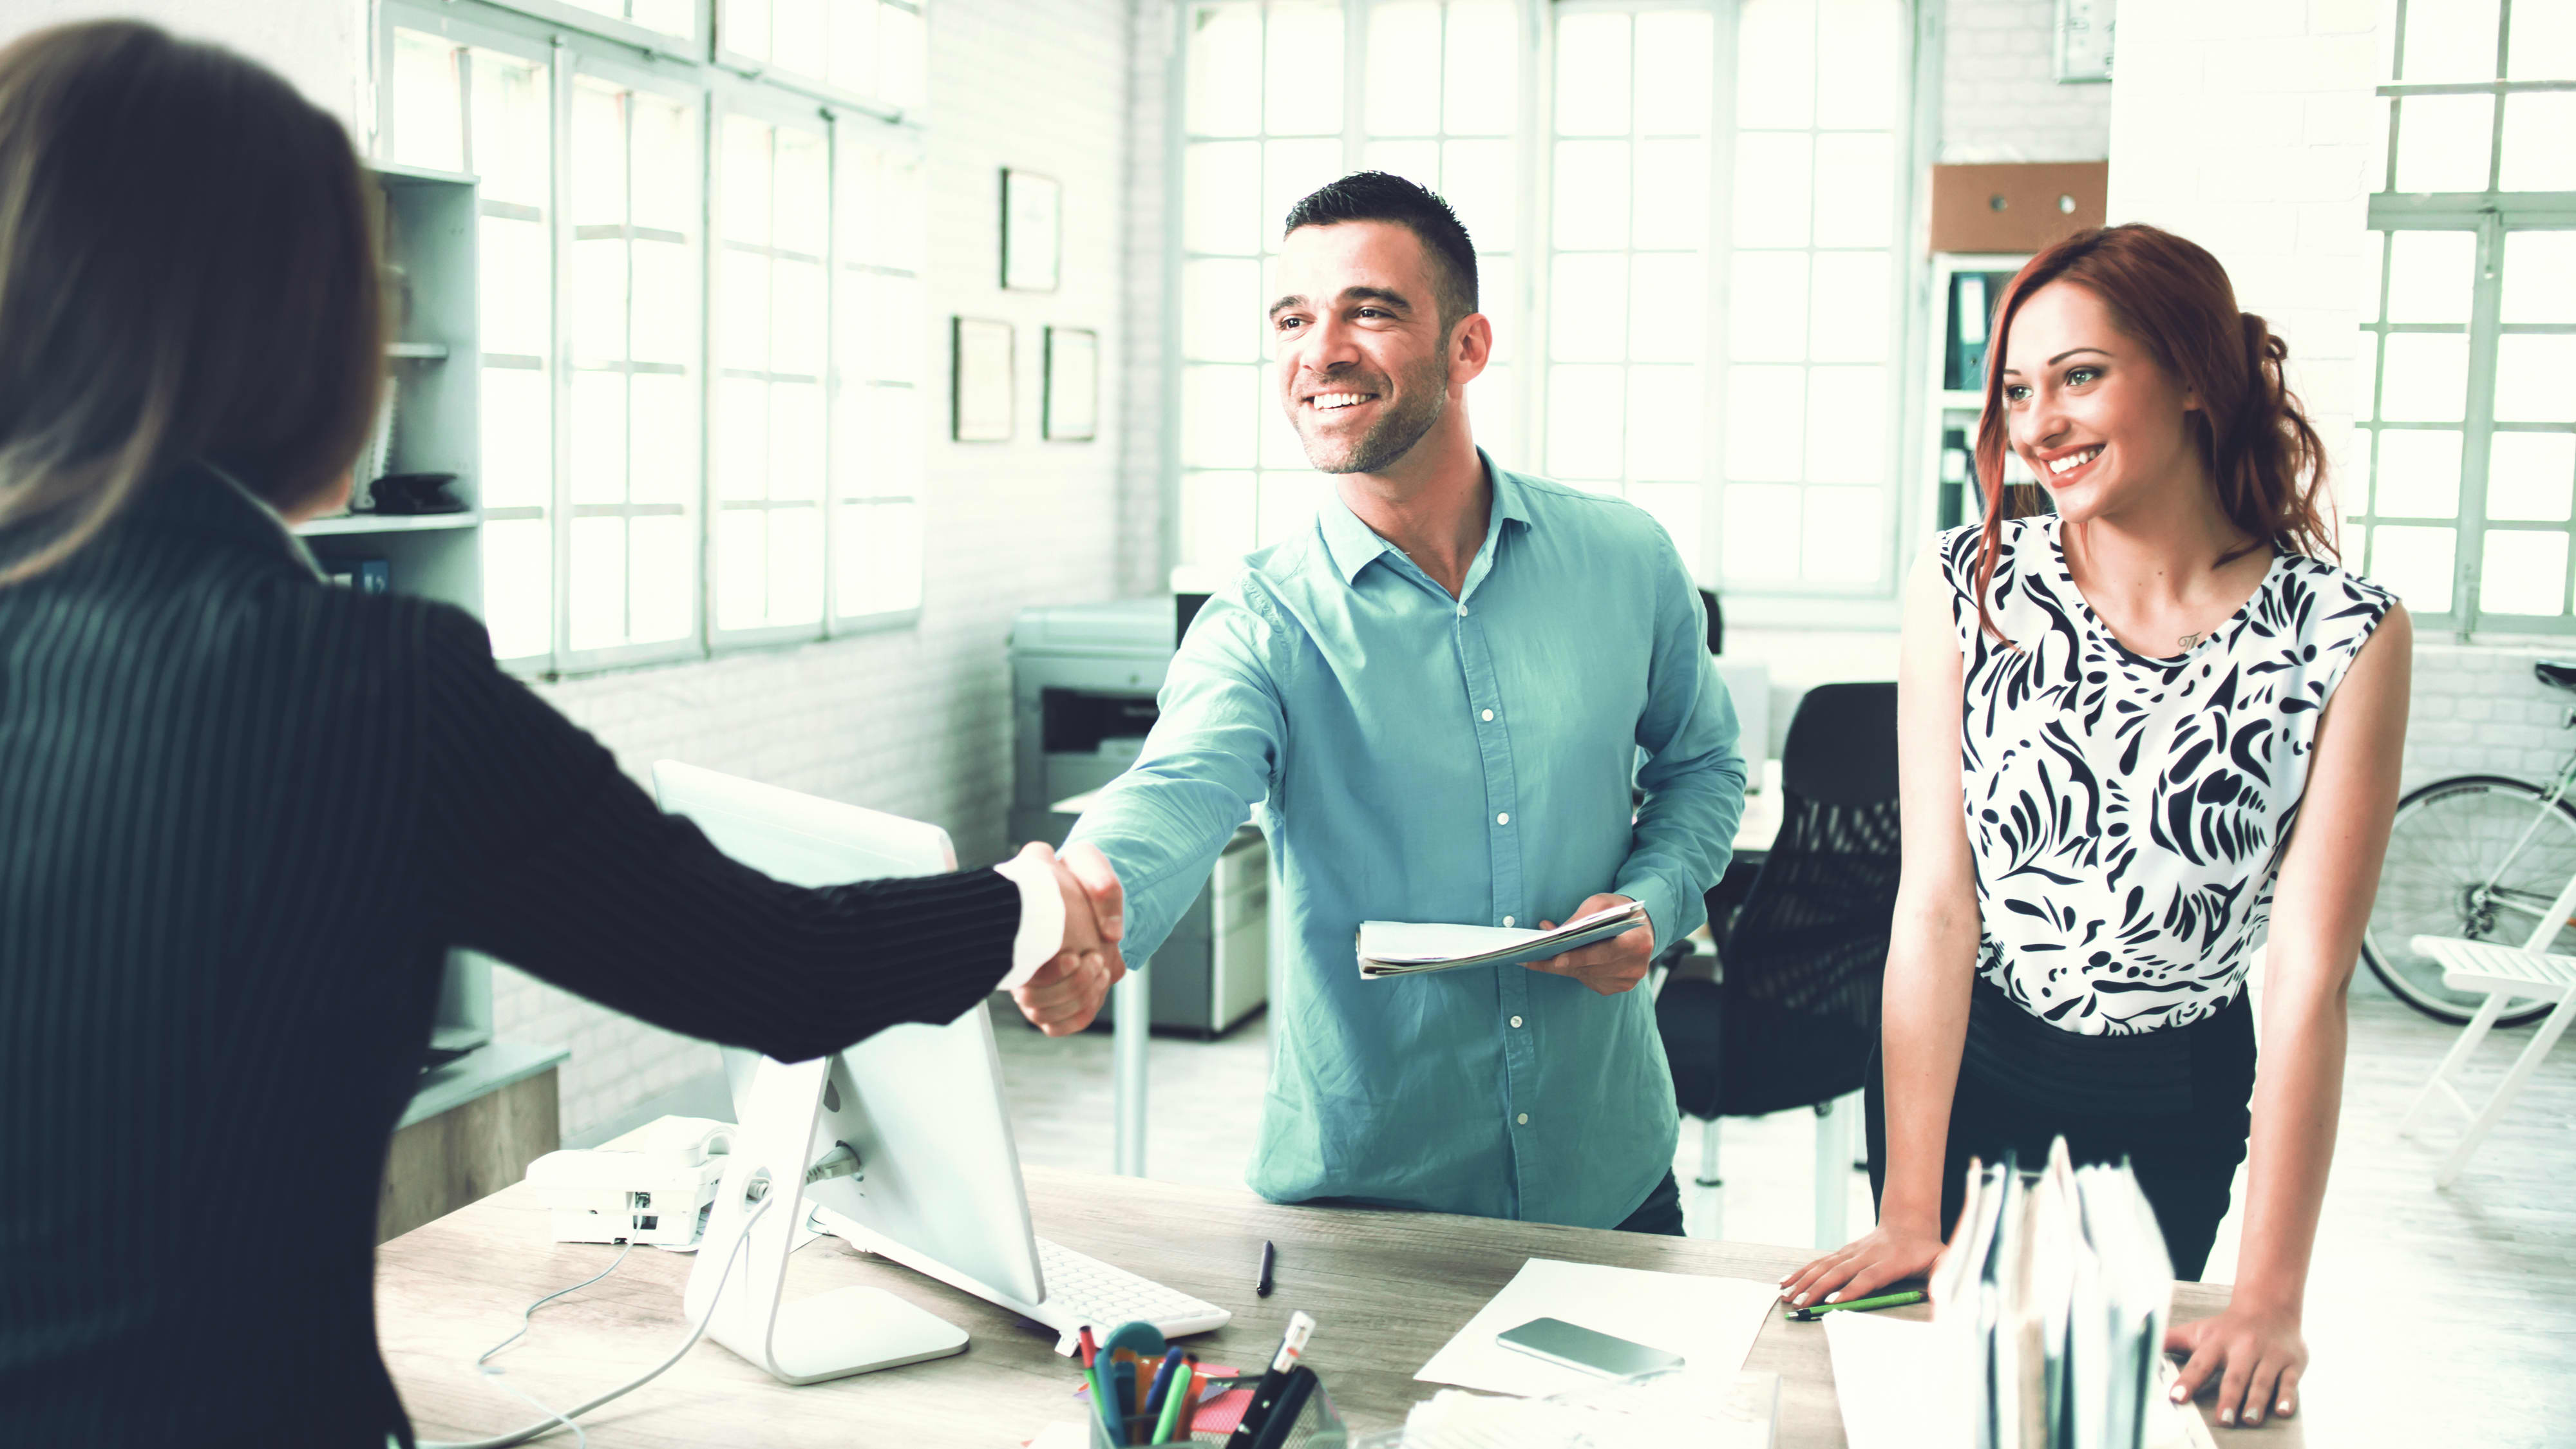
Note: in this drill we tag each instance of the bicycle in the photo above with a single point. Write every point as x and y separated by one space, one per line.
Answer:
2480 856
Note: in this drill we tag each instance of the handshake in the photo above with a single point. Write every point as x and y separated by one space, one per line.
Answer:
1067 991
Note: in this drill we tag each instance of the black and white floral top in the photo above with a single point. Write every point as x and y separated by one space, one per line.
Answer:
2127 814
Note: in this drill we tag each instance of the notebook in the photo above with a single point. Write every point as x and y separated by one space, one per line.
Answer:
1404 948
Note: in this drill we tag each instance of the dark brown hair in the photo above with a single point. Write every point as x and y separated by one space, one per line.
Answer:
187 273
2173 298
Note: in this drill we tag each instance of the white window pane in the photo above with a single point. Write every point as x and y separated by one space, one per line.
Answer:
798 316
1587 307
510 128
741 438
1843 535
1478 180
2531 476
1302 87
741 569
1668 307
2376 173
1216 517
879 557
742 311
429 111
1482 92
1493 407
1280 445
1591 188
2539 275
667 177
2373 260
1286 505
1766 425
1761 532
598 437
2418 474
1498 292
598 154
2429 275
796 440
1852 300
2544 42
854 46
1767 307
596 586
2425 378
1224 67
2444 142
803 193
795 566
1863 80
1666 414
1672 194
744 213
1415 161
895 343
597 284
1221 311
1221 198
665 312
1677 506
1586 408
518 586
1855 190
903 57
1403 97
518 439
1847 425
1674 67
745 27
897 226
2535 378
888 443
663 466
1775 66
2524 572
797 39
1290 170
516 314
2454 40
1218 417
1772 177
671 17
2537 156
661 574
1592 75
2414 564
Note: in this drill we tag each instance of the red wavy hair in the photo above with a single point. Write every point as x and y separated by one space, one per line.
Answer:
2172 297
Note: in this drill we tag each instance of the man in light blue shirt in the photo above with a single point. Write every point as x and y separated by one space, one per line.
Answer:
1435 697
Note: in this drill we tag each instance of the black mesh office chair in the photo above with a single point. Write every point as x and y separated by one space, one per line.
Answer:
1790 1019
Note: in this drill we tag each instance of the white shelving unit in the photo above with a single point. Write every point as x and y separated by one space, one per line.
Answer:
1955 375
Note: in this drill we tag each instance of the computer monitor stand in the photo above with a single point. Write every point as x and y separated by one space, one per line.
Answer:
829 1335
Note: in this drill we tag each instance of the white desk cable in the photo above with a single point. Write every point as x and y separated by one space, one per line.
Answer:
527 1319
564 1420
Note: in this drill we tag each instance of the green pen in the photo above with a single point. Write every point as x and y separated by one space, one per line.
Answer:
1809 1313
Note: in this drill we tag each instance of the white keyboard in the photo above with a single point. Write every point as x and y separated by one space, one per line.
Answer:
1084 1290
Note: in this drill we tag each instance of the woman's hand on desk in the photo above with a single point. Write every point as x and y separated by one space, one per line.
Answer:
1067 991
1865 1265
2257 1354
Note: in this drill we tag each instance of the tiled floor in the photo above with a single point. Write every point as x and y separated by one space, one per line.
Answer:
2433 1317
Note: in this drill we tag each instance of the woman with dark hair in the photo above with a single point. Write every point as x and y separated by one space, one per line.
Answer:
2134 732
244 815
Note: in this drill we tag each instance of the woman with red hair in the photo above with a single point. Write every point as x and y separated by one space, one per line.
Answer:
2137 729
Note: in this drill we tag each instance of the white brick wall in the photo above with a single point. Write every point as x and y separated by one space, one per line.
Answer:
2000 100
917 721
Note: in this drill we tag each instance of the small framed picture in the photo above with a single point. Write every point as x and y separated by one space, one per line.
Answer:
1072 412
1032 226
981 381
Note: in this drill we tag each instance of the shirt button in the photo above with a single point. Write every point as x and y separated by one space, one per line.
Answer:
1503 819
1525 1119
1507 920
1517 1021
1489 716
1462 611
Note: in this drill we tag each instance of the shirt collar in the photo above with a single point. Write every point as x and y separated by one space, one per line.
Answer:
1354 545
212 503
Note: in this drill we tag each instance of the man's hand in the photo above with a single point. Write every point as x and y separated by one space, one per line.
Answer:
1608 967
1067 991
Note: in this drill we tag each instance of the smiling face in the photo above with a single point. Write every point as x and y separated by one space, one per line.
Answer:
2087 407
1365 368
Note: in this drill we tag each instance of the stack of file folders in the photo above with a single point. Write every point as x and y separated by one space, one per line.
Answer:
2051 1304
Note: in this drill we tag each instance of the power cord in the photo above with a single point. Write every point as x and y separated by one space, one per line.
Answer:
564 1420
527 1318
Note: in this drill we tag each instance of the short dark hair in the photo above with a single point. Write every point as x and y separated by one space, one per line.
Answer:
1382 196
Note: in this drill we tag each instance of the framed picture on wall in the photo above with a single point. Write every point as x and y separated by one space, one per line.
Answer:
1072 411
980 380
1032 226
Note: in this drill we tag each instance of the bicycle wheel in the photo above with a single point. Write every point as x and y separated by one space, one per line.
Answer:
2479 856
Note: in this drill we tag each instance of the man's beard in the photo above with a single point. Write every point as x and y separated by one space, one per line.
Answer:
1395 433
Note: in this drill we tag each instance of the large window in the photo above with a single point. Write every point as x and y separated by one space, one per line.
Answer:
701 315
2470 303
1689 253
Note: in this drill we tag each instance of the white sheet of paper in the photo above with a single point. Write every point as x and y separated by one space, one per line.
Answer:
1710 1322
1887 1377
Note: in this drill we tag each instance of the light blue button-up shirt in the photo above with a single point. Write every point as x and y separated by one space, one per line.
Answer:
1417 757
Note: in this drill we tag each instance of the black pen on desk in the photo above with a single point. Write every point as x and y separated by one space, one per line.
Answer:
1269 1260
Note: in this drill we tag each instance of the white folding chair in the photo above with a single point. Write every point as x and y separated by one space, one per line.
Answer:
2504 973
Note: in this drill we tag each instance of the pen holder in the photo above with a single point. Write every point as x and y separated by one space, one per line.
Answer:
1319 1426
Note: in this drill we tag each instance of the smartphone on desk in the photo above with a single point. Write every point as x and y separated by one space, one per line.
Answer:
1577 1347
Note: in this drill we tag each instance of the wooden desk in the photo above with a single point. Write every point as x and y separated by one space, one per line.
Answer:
1388 1290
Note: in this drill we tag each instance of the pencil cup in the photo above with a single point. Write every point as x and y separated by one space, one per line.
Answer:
1319 1426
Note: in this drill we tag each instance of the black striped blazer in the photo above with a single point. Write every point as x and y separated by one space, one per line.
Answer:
242 815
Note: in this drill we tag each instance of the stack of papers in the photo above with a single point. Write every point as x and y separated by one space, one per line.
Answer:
1710 1322
1661 1412
1403 948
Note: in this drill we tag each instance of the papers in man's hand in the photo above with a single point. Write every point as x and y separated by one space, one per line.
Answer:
1710 1322
1403 948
